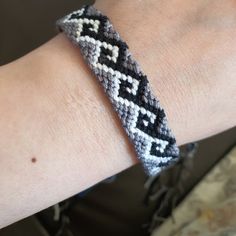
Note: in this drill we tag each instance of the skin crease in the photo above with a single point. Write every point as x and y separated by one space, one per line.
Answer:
55 111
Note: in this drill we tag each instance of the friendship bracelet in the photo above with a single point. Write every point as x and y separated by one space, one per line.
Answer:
125 84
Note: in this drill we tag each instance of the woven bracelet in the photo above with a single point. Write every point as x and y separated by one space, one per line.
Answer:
125 84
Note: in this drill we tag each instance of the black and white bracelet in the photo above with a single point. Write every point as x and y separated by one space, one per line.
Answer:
126 86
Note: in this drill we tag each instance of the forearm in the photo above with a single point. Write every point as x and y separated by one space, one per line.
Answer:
53 110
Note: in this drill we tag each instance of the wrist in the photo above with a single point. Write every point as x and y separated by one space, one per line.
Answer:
149 44
181 46
82 101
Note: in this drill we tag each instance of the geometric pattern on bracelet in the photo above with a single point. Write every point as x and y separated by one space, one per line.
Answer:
127 87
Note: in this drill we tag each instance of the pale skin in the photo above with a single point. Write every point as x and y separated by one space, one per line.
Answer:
59 134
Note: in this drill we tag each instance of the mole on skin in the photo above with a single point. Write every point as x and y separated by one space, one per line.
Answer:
33 160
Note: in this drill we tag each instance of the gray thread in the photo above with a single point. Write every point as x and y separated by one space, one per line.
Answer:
74 25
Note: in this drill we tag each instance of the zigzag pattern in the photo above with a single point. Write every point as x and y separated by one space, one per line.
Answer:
126 86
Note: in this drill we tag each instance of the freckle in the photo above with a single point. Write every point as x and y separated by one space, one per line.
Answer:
33 159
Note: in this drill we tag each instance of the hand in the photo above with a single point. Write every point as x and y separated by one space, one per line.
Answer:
188 50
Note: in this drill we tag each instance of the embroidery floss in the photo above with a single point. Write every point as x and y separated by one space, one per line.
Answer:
125 84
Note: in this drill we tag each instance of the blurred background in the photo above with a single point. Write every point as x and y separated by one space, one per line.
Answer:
126 204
